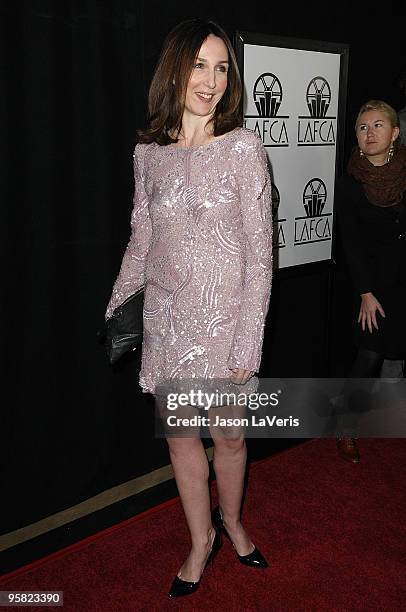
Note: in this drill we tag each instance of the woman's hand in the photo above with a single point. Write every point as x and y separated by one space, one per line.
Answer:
367 311
240 376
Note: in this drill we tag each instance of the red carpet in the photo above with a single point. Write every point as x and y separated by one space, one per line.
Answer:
334 534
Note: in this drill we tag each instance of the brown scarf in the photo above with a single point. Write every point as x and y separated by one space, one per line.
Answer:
383 185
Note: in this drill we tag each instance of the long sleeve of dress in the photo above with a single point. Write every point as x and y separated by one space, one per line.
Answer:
131 275
354 245
256 211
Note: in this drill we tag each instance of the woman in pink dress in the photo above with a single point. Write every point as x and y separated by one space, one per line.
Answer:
201 246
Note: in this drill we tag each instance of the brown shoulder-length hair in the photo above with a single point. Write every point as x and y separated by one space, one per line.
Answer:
168 87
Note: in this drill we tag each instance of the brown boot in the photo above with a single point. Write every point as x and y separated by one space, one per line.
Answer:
348 449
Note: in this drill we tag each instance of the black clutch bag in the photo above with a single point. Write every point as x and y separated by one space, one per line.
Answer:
123 330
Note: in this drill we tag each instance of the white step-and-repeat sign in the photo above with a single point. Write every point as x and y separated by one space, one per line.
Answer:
291 99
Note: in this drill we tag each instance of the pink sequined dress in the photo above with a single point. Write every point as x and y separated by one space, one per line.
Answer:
201 245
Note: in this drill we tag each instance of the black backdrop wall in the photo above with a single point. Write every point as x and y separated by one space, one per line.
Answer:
75 77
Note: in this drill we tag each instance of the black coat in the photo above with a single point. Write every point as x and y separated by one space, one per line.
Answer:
374 243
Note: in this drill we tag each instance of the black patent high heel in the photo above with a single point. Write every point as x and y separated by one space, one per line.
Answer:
253 559
183 587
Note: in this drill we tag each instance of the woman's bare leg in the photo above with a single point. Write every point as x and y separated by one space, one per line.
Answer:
190 466
229 463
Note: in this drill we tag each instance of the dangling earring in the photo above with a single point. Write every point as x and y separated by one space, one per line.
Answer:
361 153
390 153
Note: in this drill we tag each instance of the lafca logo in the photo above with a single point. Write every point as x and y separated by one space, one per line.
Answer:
317 128
316 225
278 239
318 97
267 96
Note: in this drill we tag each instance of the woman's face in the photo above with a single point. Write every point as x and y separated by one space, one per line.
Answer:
375 136
208 80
